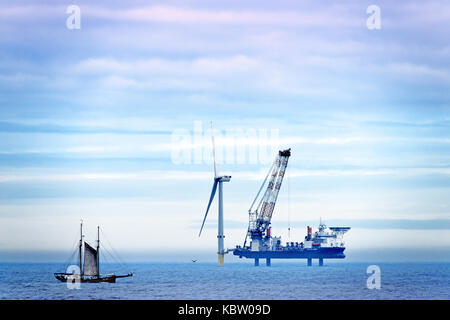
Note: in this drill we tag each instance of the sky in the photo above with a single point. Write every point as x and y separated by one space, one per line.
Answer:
110 123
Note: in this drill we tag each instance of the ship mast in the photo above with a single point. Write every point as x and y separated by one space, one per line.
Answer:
81 245
98 251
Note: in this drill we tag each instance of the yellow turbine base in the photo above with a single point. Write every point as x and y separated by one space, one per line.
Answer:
220 256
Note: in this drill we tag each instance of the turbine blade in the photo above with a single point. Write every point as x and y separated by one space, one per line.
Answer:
214 151
211 198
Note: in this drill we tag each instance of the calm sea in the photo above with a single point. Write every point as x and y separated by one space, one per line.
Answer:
234 281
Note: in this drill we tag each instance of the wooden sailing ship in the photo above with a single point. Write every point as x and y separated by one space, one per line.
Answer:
90 268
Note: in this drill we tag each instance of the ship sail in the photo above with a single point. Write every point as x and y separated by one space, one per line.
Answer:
90 261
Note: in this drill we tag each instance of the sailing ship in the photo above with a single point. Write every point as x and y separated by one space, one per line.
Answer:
90 268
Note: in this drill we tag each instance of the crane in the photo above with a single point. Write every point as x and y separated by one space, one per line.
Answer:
259 218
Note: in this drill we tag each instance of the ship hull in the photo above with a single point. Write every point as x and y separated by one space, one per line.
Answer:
300 253
64 277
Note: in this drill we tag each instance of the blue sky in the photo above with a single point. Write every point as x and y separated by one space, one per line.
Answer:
88 116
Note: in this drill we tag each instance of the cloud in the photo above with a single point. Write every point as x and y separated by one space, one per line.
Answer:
20 80
416 72
157 66
372 224
431 12
155 175
181 15
30 12
119 82
201 73
164 175
325 16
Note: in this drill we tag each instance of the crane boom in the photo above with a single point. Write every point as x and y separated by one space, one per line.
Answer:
259 219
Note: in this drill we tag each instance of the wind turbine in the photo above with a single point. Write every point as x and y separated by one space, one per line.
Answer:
218 180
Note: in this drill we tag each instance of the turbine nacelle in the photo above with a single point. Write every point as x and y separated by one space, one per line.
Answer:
223 178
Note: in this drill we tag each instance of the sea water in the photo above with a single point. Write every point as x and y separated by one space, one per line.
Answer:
283 280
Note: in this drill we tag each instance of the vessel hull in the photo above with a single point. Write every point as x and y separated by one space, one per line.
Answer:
64 277
300 253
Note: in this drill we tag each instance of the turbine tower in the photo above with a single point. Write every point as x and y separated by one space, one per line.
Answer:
218 181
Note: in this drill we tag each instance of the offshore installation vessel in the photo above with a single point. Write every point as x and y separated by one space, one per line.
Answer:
326 243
